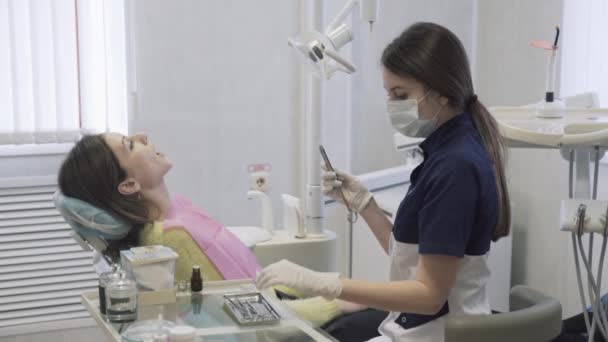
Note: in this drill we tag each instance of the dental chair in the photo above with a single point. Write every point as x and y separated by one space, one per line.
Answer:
93 228
534 317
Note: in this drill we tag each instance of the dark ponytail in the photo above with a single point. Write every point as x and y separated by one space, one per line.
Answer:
488 130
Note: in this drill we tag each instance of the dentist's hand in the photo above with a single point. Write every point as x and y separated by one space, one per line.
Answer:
355 193
301 279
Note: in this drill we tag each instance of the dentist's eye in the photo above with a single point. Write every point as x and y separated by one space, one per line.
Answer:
397 95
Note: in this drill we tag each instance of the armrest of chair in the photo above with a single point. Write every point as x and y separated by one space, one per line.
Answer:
537 317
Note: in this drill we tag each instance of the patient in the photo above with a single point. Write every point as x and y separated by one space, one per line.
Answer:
124 175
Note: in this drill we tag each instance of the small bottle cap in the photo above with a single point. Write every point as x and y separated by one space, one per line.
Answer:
196 272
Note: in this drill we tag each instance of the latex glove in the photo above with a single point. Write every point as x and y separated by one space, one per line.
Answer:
355 193
301 279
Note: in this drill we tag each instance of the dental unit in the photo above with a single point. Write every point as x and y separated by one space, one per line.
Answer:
579 130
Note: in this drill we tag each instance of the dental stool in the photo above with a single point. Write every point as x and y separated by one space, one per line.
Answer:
534 317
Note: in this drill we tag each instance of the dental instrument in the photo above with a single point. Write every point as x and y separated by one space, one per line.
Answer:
551 107
585 219
352 215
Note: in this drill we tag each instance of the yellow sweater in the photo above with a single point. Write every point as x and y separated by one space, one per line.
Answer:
182 243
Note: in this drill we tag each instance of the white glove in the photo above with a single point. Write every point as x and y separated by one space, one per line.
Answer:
309 282
355 193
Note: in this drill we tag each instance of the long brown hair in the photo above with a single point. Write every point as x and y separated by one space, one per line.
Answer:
91 173
434 56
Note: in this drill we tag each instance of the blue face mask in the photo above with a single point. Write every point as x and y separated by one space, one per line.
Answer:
405 118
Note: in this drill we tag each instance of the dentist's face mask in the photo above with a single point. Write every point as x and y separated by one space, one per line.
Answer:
404 117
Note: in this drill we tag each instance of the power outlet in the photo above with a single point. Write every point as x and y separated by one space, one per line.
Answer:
259 177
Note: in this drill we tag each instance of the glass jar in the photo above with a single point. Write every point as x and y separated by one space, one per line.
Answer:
182 288
104 280
121 299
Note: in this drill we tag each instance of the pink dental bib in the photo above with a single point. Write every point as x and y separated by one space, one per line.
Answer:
228 254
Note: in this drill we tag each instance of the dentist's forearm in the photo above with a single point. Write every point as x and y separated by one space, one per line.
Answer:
401 296
426 294
378 223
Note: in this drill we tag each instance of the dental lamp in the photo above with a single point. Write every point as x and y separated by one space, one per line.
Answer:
316 49
320 53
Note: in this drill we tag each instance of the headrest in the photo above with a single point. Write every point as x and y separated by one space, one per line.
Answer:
89 221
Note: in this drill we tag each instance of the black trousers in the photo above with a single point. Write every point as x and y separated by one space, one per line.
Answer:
575 330
356 327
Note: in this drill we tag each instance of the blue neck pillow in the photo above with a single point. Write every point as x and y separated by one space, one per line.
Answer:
90 221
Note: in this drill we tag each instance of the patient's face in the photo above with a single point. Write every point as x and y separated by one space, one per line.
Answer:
139 158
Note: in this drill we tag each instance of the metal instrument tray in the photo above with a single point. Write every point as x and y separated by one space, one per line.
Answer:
250 309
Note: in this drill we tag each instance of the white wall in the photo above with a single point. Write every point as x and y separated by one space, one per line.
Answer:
216 93
372 135
584 47
509 71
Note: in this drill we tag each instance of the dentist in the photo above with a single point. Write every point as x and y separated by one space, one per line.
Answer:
456 205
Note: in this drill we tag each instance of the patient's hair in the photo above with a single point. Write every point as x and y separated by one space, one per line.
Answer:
91 173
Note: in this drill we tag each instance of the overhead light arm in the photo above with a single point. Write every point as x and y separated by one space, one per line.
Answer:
368 11
318 50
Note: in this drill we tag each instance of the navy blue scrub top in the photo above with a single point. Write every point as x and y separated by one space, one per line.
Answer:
451 207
